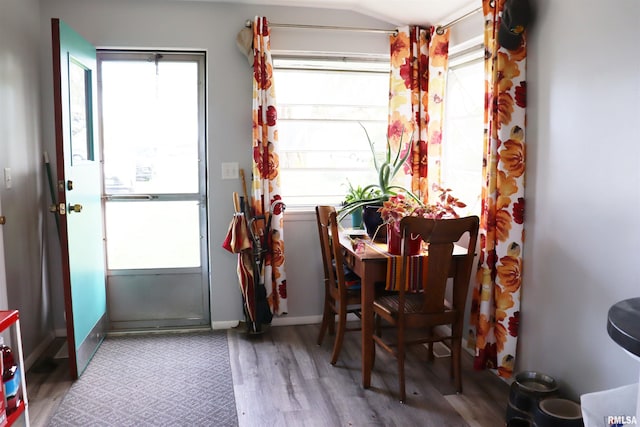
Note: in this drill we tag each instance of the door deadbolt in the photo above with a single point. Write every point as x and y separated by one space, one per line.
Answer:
75 208
59 208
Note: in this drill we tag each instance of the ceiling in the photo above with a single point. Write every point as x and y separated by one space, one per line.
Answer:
397 12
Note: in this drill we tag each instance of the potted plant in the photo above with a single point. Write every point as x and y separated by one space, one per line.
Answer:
377 193
399 206
354 195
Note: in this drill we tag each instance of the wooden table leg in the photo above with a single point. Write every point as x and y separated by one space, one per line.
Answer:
367 296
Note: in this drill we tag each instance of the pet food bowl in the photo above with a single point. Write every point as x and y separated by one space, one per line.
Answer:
529 388
554 412
536 383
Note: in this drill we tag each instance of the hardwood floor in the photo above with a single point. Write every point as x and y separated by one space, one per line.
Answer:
48 381
283 378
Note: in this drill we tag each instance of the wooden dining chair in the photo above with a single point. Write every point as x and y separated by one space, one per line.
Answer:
341 285
426 307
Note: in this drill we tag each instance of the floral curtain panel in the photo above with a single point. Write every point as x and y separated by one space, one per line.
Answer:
419 60
265 188
495 309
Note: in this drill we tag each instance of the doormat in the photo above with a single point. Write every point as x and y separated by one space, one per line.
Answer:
154 380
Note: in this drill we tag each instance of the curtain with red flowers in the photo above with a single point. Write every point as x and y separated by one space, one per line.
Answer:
495 309
419 61
265 189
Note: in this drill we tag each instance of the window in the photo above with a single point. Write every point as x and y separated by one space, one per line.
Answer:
322 145
464 128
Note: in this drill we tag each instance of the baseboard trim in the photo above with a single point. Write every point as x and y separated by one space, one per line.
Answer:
305 320
299 320
285 320
157 331
227 324
38 351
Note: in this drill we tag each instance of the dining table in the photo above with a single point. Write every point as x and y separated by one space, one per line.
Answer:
369 259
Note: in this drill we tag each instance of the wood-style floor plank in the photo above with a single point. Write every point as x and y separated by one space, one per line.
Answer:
48 381
283 378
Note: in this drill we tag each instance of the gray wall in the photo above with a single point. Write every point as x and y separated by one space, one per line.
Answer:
20 150
583 173
582 177
213 27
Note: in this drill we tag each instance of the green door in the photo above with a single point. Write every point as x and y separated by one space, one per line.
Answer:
79 194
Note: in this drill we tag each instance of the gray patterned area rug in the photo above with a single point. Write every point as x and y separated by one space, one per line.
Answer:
154 380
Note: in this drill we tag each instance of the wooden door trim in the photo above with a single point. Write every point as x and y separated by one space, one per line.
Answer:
64 247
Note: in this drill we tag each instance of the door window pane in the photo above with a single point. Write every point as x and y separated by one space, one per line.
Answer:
79 109
150 115
161 234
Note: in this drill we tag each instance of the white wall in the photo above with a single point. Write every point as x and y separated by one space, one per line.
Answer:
20 150
583 197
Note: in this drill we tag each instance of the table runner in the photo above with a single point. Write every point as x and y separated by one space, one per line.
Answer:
417 268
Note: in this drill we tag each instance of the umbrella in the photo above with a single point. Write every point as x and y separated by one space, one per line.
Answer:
237 241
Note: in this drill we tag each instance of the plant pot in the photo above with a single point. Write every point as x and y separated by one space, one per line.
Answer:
372 223
356 218
394 242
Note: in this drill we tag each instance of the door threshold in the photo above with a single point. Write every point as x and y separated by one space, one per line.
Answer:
158 331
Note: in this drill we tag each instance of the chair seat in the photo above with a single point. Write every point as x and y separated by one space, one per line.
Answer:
351 279
390 303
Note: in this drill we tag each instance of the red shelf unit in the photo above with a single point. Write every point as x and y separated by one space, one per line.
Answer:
8 319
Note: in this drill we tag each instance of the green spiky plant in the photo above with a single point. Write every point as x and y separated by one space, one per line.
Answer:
387 170
355 194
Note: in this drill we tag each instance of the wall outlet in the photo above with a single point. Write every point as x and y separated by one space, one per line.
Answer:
230 170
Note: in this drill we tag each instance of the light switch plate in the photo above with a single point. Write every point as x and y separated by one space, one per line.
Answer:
7 178
230 170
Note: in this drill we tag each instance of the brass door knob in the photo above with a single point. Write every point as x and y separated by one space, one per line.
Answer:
75 208
3 220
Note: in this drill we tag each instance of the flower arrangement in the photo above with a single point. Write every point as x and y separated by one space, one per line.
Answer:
400 205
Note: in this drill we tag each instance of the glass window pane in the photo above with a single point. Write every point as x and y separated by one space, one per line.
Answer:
463 133
150 115
153 234
79 97
321 104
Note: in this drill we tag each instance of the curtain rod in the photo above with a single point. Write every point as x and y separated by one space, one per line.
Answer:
249 22
440 28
